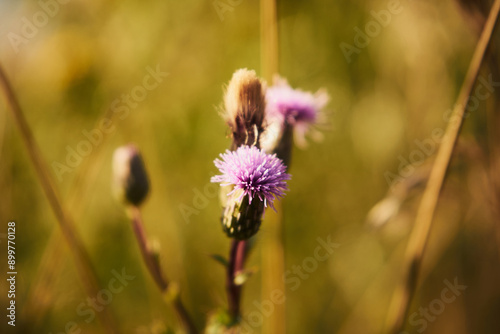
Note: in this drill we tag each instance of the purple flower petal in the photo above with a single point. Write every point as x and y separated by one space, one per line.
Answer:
258 174
298 108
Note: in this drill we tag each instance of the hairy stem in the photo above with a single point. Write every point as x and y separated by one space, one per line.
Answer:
237 256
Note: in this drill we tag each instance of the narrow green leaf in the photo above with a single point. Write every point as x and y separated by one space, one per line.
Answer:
219 258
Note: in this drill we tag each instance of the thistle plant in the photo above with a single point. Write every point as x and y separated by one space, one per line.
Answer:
265 122
252 179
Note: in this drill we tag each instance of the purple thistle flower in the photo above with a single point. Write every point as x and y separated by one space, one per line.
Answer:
297 108
256 173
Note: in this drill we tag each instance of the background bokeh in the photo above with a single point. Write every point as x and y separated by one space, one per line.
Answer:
391 93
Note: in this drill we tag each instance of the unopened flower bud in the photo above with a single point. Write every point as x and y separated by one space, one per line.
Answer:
245 105
130 180
255 180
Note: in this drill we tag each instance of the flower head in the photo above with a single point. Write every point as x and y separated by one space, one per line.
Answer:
254 173
294 107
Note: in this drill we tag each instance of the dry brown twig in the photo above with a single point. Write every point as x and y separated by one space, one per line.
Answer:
420 234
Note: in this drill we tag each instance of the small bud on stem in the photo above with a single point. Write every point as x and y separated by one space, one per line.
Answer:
130 179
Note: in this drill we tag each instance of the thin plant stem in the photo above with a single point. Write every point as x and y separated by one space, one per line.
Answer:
237 257
52 259
73 240
168 290
423 222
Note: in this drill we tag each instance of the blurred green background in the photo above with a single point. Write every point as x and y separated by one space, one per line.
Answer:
69 70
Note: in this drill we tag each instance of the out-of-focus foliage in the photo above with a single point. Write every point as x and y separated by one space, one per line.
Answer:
80 64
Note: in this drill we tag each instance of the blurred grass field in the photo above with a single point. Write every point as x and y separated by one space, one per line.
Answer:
394 92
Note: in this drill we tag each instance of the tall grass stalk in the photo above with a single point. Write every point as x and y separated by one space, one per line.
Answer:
405 290
493 124
53 258
73 240
273 259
